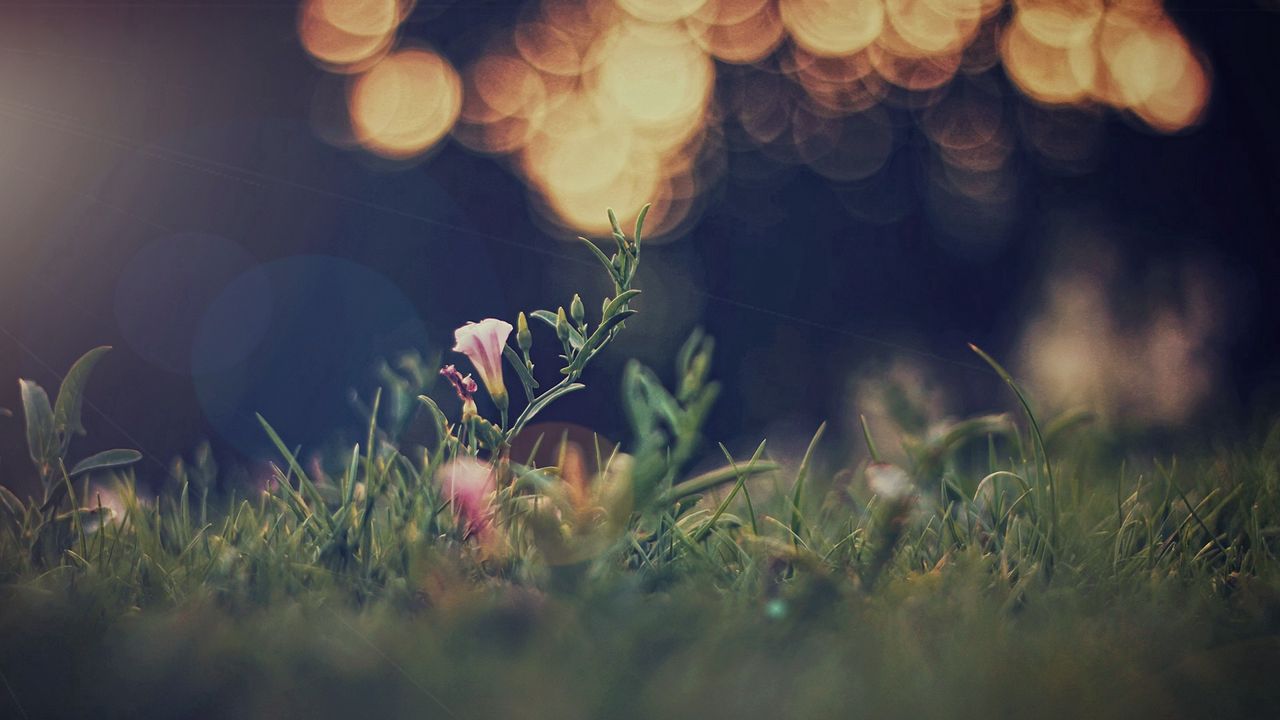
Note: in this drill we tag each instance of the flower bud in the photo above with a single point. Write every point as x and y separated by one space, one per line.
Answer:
562 325
524 338
577 311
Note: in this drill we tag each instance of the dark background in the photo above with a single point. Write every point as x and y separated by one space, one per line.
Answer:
152 152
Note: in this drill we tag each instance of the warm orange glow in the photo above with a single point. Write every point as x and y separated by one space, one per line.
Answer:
346 35
583 157
731 12
747 40
1060 23
968 117
508 85
661 11
840 85
833 27
548 48
626 194
614 102
1180 105
654 77
934 27
405 104
1144 59
504 104
1049 74
361 17
914 73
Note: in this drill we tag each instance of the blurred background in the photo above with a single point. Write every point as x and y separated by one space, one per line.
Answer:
256 203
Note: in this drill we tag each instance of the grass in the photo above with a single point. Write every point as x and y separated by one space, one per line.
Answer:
999 570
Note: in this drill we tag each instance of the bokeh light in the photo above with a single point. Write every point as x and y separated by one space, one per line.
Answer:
405 104
346 35
620 102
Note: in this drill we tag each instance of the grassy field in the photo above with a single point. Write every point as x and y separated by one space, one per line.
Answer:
1002 567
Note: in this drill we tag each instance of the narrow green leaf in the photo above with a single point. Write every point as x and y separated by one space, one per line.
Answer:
438 417
41 441
597 339
742 476
618 302
540 404
66 412
1035 429
522 371
712 479
106 459
644 212
797 493
685 355
548 317
304 481
604 259
866 435
10 502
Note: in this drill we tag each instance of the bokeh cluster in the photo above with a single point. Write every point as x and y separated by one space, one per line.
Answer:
620 102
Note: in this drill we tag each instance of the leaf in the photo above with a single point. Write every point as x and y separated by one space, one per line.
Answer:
712 479
66 412
639 232
104 460
597 339
635 400
548 317
742 476
797 493
685 355
866 435
1035 429
617 303
41 440
541 403
437 417
304 481
656 396
10 502
522 371
604 260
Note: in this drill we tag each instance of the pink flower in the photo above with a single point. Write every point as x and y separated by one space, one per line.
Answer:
482 343
465 387
462 384
469 485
